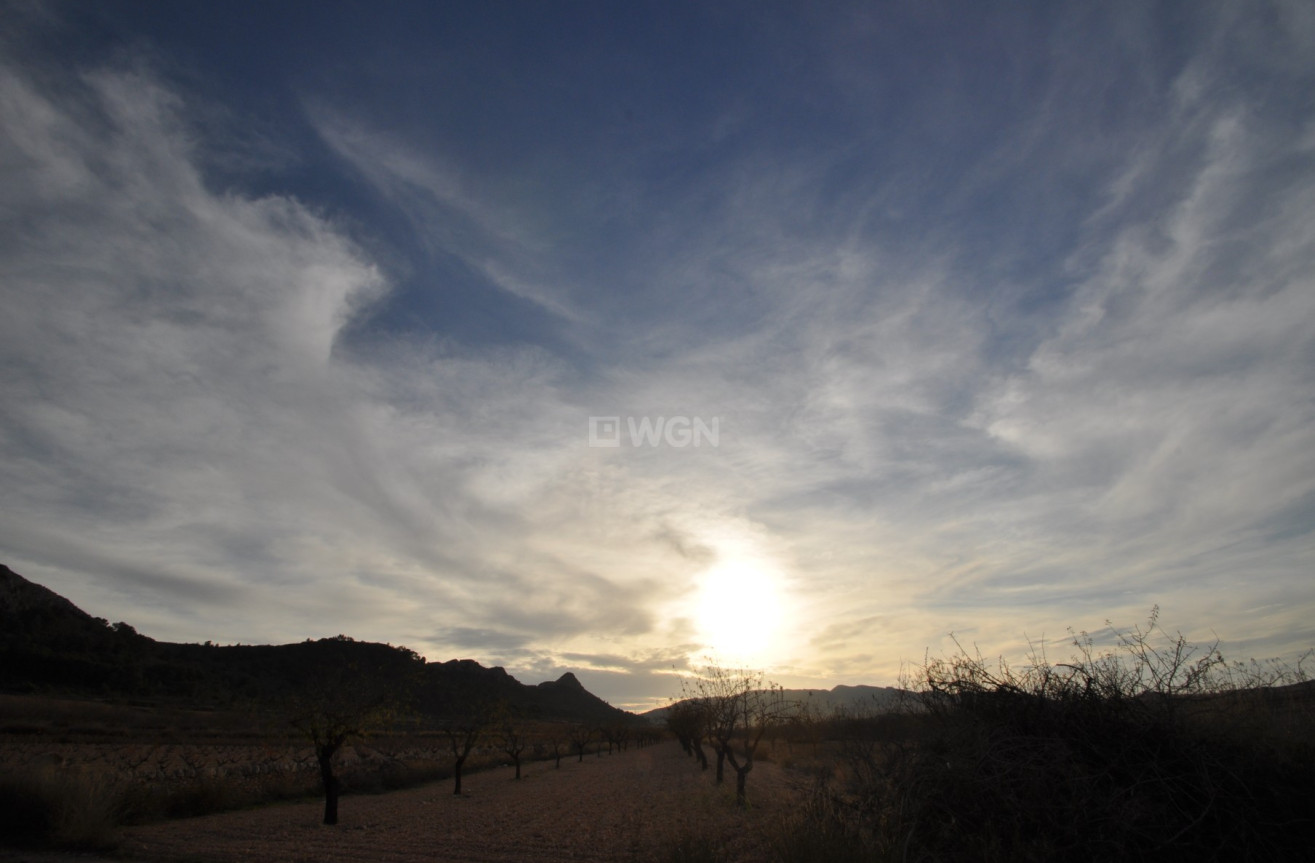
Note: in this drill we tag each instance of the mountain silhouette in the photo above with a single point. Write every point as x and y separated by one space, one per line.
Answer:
49 645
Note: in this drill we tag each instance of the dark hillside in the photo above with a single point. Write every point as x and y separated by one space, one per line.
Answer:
48 645
47 642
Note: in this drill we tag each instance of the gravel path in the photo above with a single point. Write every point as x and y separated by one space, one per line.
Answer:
635 805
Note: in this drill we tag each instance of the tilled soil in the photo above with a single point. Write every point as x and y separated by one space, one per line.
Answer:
643 805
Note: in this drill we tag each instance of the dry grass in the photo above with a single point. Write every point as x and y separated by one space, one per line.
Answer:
73 772
72 809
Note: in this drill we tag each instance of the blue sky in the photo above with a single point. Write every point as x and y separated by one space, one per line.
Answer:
1002 318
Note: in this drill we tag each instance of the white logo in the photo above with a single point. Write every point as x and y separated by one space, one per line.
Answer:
676 432
604 431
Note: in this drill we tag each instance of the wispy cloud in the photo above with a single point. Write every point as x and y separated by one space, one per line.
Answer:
176 401
1001 359
446 214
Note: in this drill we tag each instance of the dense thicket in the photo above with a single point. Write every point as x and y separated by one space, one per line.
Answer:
1151 749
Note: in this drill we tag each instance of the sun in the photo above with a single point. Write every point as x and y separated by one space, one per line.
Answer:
740 611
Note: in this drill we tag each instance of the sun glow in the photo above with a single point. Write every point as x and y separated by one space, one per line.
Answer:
740 611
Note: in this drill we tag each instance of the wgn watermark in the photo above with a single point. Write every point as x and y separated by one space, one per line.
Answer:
649 431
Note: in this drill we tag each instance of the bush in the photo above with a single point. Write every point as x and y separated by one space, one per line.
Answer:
1153 749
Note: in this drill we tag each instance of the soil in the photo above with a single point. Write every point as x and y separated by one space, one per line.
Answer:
641 805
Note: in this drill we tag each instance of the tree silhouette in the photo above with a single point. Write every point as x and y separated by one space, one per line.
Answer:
464 731
618 734
580 737
348 697
737 708
554 741
685 719
512 737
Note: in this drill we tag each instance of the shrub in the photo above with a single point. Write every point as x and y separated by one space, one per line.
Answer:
1154 748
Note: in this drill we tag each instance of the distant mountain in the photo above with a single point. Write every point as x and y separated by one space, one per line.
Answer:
828 702
48 644
851 699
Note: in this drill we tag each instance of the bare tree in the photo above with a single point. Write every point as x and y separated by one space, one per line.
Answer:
685 721
740 706
463 732
512 738
554 741
757 710
709 708
346 701
621 733
580 737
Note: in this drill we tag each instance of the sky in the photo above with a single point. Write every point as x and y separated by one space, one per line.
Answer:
608 338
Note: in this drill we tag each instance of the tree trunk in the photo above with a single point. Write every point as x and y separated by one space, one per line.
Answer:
741 774
330 783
